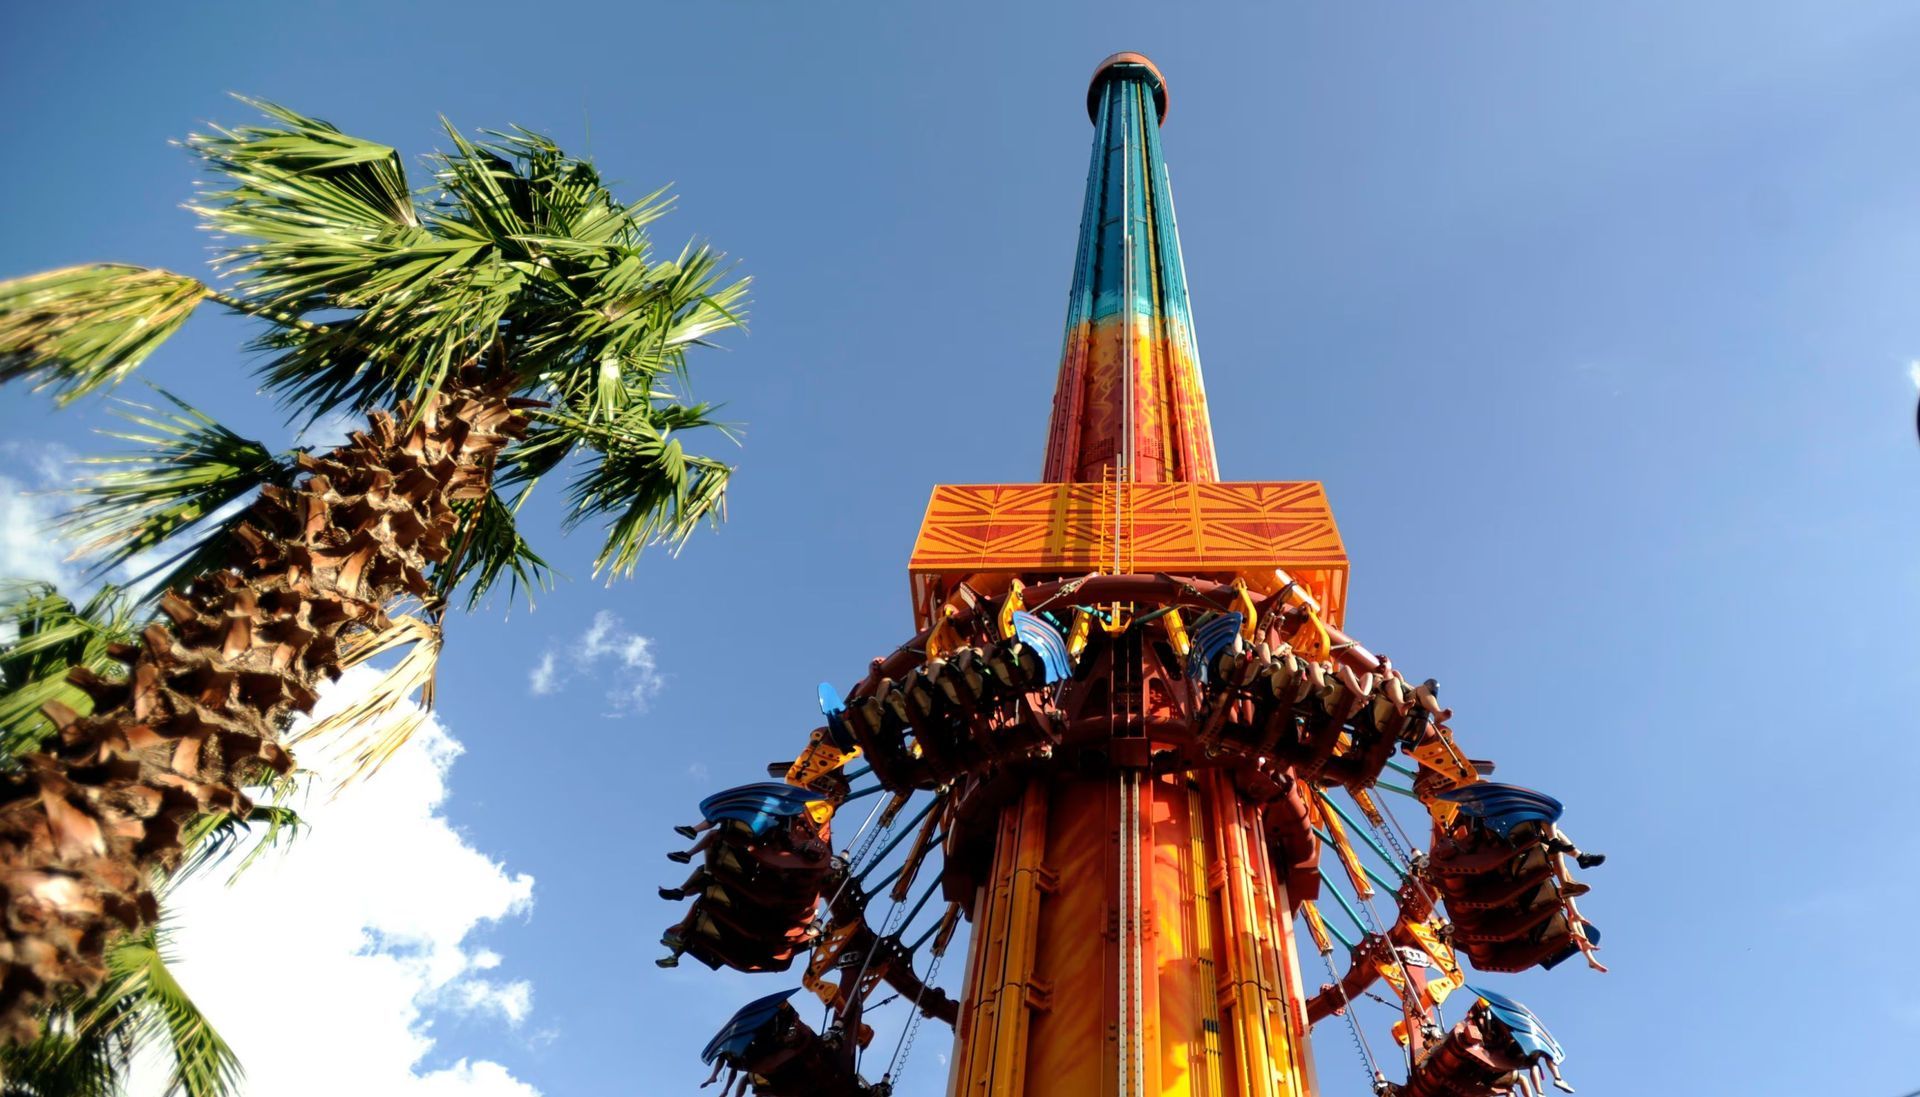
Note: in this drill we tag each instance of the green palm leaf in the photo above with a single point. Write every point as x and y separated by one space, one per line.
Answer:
165 1016
63 1063
42 637
639 479
488 548
77 329
212 839
183 487
89 1044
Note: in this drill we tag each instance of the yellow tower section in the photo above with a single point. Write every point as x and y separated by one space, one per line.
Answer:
1133 939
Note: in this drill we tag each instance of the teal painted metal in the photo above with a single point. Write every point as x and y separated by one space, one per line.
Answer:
1366 835
1337 935
1364 867
1358 923
1129 393
1128 188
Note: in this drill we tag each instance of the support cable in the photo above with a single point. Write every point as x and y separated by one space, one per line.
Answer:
906 831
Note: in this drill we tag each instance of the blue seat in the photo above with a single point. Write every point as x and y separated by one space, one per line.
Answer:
757 805
834 709
1045 639
1209 640
1527 1031
738 1034
1504 807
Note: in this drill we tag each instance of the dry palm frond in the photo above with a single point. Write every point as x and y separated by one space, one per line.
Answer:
381 720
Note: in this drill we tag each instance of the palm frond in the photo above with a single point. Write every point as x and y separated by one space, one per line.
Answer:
61 1062
213 838
43 636
319 223
183 487
203 1065
487 548
634 323
304 175
89 1043
381 719
642 481
76 329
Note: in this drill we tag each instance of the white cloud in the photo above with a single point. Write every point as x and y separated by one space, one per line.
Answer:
324 964
465 1079
541 681
29 546
1913 372
510 1001
635 674
28 550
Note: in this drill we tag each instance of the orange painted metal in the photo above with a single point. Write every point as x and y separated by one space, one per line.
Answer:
1220 1011
1261 978
982 534
991 1036
1165 406
1132 938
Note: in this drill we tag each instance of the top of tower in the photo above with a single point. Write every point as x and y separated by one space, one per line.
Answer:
1127 62
1130 485
1129 404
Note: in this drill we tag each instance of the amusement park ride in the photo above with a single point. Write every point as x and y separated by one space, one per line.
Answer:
1132 747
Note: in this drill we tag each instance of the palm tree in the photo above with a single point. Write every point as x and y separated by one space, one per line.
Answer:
508 325
89 1044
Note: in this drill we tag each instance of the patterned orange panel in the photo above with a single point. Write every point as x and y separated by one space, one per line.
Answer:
1245 529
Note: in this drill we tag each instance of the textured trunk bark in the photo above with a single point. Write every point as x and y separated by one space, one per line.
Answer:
199 715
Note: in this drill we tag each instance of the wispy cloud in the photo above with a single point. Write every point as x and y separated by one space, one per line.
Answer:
29 547
614 654
369 915
542 680
1913 372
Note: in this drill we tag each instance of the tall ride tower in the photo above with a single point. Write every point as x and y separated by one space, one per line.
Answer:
1185 984
1134 725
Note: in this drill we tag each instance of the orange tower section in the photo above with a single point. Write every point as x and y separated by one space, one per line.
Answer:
1131 904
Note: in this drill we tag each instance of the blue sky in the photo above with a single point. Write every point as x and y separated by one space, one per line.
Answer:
1596 320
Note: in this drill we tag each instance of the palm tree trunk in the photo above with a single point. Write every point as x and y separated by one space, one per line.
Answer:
85 825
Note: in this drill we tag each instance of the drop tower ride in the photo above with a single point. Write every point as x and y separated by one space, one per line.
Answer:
1131 746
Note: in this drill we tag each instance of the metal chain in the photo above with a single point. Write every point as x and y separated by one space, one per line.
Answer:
1393 843
1406 979
904 1048
879 941
866 836
1412 868
1353 1023
855 856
